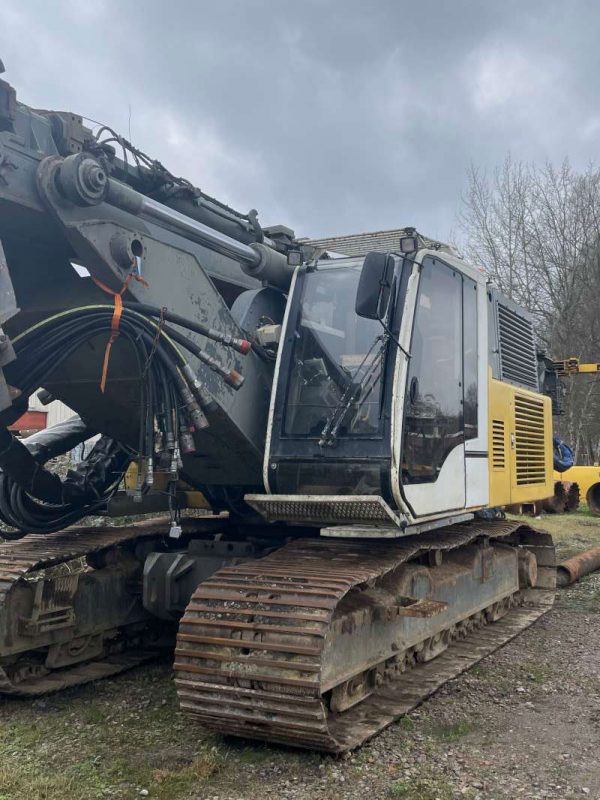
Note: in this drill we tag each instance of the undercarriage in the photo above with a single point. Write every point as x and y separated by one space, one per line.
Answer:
72 606
315 643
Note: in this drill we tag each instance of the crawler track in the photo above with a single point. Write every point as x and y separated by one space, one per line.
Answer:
60 624
33 553
251 648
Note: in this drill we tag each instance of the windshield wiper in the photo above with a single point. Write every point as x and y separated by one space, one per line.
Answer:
352 391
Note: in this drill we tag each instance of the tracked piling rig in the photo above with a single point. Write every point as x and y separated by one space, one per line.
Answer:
349 423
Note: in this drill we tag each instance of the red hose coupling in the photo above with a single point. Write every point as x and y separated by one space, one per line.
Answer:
234 379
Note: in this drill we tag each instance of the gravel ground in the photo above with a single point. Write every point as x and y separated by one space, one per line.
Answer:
523 723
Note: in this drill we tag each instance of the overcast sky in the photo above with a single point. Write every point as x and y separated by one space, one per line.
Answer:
330 116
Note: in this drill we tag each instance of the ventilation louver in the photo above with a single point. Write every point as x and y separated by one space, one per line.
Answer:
498 445
518 363
529 440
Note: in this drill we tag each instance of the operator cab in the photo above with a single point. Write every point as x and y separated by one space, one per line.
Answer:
381 385
337 361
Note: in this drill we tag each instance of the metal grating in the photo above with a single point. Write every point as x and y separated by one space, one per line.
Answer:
498 445
530 440
359 244
518 363
323 509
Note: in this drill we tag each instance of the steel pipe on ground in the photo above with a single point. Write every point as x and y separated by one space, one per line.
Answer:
575 568
592 498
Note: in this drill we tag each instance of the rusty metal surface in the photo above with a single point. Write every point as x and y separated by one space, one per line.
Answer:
34 552
249 657
575 568
566 498
37 552
592 498
75 676
53 610
556 504
573 495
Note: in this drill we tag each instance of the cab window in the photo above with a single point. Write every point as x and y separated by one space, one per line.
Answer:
434 424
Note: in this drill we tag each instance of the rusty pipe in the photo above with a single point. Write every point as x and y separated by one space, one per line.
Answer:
575 568
592 498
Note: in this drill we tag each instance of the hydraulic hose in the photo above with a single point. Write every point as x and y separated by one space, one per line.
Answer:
36 499
17 461
172 402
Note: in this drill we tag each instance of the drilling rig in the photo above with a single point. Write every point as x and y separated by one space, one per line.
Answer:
349 423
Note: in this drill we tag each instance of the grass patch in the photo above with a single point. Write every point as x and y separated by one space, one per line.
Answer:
169 784
93 714
254 755
452 731
484 673
19 735
420 788
25 784
537 673
571 533
406 724
398 789
493 675
109 739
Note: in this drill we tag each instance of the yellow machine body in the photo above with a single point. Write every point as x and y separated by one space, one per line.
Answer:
193 498
584 477
520 445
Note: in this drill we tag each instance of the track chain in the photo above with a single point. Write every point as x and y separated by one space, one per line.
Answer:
249 648
23 559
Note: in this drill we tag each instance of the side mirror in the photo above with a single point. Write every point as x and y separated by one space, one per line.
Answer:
375 286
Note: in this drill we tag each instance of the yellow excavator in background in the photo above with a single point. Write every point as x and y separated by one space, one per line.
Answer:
578 481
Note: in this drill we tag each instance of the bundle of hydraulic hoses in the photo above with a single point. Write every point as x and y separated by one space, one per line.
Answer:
24 480
173 402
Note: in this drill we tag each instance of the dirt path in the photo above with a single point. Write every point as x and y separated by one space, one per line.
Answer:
524 723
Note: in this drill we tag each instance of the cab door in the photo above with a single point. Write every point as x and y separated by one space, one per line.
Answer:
433 450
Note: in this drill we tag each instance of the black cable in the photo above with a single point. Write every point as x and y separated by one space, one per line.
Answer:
168 392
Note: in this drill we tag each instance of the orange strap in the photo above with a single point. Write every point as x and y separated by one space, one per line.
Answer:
116 318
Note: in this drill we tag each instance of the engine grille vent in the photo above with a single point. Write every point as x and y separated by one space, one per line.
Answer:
518 362
529 440
498 445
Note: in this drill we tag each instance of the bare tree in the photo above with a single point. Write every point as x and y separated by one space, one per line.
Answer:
536 230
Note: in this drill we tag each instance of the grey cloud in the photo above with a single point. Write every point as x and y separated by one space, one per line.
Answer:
329 116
